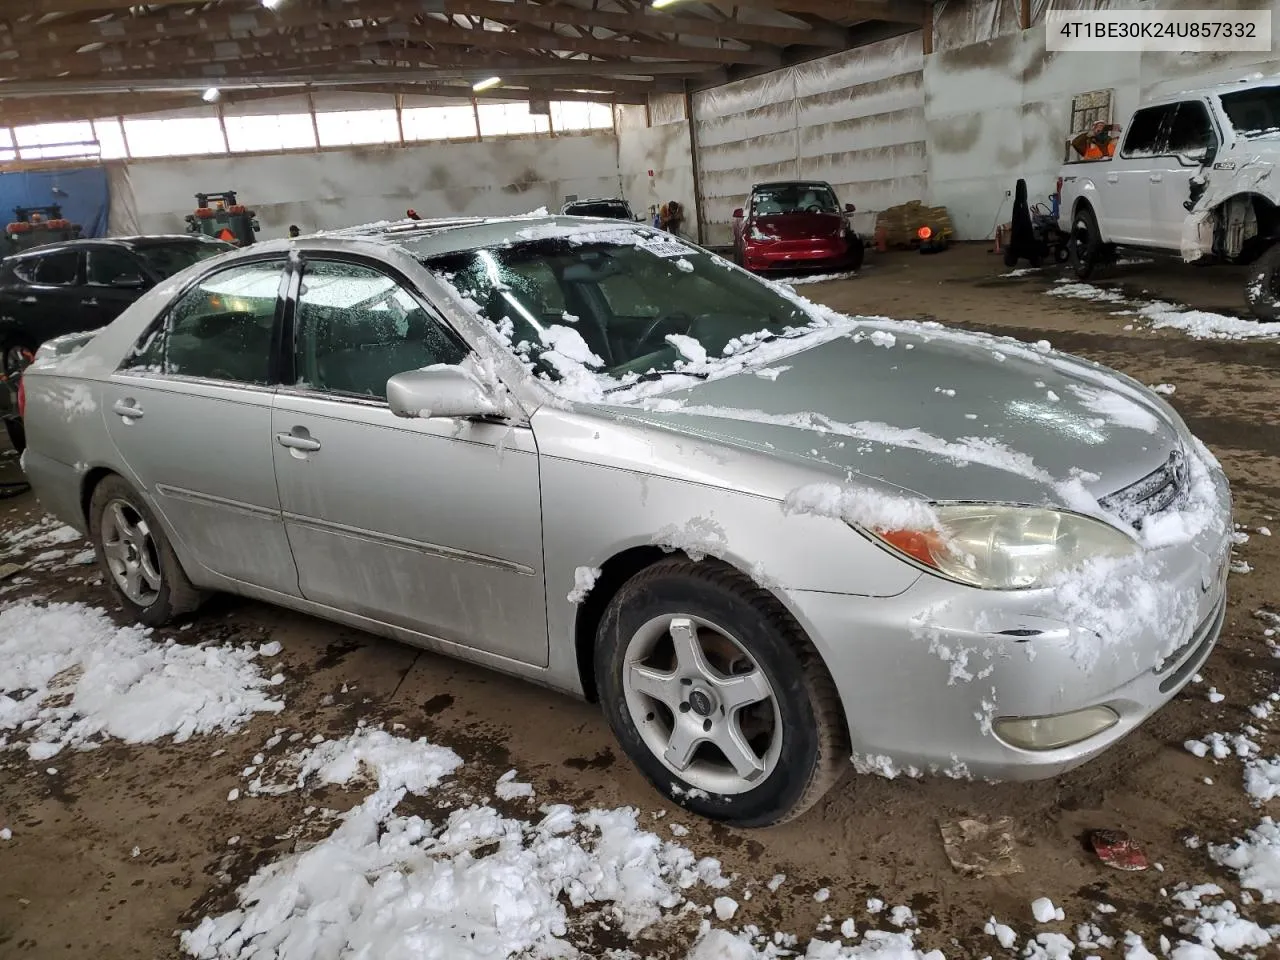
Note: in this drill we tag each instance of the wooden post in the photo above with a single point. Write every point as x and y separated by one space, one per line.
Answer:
222 125
399 97
693 165
927 28
315 125
1025 15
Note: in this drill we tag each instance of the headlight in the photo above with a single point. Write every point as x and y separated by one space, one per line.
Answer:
1007 548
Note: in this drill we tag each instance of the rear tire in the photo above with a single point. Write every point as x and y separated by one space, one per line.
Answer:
136 560
1262 289
1085 245
753 683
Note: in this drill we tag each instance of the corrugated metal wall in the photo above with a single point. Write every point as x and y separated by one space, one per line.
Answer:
855 119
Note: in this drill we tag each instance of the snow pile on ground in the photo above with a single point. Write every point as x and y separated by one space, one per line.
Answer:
69 677
476 886
820 278
1256 859
1084 291
1203 325
750 944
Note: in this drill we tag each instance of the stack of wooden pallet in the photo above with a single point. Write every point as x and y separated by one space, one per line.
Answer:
898 225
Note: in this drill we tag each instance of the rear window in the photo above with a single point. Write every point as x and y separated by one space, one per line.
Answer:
610 209
1253 111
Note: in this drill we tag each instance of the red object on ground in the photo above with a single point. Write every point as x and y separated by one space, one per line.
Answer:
1116 849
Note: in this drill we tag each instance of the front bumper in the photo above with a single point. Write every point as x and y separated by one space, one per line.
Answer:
831 254
925 677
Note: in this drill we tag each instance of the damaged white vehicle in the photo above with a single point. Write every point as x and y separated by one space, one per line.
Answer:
766 538
1192 177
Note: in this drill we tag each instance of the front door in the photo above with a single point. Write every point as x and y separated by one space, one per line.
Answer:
190 414
430 525
1127 207
1191 138
109 283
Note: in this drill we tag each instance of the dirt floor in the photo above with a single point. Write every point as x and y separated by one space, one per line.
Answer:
71 885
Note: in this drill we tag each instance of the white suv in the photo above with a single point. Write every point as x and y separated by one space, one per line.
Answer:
1192 175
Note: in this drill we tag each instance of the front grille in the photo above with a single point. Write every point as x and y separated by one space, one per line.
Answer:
1159 490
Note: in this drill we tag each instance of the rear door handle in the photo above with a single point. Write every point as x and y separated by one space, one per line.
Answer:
1157 178
30 300
127 409
1113 178
90 302
297 443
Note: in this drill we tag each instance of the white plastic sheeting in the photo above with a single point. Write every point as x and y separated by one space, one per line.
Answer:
855 119
336 188
958 23
664 149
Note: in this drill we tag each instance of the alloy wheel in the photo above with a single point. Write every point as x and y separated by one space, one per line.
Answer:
702 704
130 550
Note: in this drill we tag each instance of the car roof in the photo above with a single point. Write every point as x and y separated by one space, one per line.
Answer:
791 183
424 239
574 203
1217 90
85 243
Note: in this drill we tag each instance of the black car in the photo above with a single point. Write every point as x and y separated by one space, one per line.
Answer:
611 209
83 285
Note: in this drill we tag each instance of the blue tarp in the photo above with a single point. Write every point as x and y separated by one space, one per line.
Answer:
83 194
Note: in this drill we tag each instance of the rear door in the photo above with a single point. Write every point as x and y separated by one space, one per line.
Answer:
429 525
190 414
1191 138
52 303
1126 210
114 278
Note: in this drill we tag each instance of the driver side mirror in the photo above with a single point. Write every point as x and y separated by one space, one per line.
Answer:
849 208
128 281
737 214
440 391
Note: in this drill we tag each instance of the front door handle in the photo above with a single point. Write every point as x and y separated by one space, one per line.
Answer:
1157 178
90 302
127 409
1113 178
295 442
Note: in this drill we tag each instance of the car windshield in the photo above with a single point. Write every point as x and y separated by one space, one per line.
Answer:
609 209
166 259
793 198
1254 111
625 303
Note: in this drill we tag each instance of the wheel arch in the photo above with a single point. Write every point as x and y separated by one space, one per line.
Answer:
1267 213
89 483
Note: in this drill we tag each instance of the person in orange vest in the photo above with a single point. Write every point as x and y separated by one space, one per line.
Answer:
1099 142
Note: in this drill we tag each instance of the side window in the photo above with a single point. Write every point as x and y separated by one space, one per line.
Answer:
107 264
357 328
1147 131
58 269
1191 132
220 329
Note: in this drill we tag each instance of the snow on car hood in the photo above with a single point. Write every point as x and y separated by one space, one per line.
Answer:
910 407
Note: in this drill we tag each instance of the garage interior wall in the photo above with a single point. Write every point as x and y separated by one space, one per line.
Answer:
885 124
663 148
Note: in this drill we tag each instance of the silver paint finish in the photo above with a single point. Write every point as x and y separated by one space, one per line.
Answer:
463 536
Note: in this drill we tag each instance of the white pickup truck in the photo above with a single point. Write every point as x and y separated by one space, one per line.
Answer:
1192 175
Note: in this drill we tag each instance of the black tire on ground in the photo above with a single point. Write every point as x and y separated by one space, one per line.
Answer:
15 354
17 433
1262 289
1087 250
857 253
814 744
176 595
1010 258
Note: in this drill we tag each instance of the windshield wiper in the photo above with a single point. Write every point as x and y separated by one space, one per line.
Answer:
658 375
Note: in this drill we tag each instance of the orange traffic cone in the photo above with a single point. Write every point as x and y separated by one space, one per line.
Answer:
882 238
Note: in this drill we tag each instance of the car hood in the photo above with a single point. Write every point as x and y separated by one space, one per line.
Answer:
799 226
946 416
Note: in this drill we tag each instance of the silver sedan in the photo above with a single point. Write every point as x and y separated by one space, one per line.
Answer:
766 538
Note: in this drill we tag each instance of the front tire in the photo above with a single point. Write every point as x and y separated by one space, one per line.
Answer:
857 253
717 696
137 561
1262 289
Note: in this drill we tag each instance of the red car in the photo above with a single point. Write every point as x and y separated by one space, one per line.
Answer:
795 225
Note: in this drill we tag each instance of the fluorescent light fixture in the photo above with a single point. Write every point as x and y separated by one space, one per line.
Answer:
659 4
212 95
271 4
486 84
